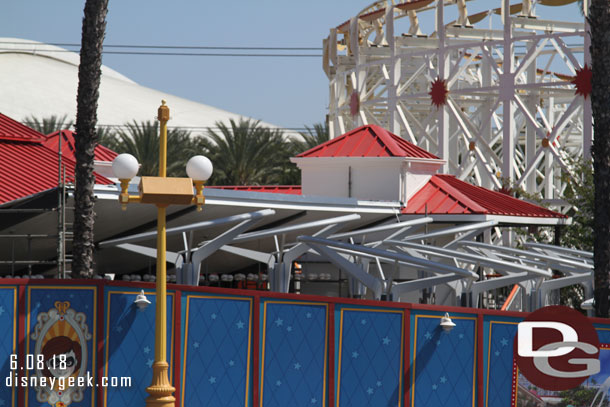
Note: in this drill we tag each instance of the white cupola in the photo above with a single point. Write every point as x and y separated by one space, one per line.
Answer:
368 163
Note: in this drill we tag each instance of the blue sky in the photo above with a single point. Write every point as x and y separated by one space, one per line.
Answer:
290 92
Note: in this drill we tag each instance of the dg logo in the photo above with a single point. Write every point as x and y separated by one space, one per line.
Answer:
557 348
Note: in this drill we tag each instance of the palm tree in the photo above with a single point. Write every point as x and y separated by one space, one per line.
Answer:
106 136
312 137
48 125
142 141
599 15
89 76
246 153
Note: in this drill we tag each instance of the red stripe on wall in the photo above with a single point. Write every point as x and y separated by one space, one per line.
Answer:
331 354
21 341
256 351
100 341
479 359
177 344
407 357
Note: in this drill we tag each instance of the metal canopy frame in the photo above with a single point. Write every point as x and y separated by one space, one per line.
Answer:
372 257
455 263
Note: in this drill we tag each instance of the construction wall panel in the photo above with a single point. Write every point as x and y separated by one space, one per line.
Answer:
129 349
217 351
60 321
443 364
8 343
294 354
370 346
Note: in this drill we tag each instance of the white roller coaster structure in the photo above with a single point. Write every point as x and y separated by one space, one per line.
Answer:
510 105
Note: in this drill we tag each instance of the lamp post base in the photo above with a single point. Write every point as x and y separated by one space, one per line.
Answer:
160 389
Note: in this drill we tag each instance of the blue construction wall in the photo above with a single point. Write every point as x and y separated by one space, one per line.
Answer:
443 365
129 343
253 348
293 353
217 344
369 356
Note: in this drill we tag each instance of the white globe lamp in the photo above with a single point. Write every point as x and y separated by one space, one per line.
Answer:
199 168
125 166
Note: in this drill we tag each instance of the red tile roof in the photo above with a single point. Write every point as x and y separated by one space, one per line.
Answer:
68 146
27 166
276 189
447 195
368 141
13 130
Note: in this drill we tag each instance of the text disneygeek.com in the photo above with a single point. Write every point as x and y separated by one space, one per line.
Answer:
61 383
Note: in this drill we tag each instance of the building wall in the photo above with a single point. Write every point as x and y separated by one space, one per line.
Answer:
255 348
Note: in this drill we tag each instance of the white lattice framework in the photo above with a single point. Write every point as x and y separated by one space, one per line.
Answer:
512 114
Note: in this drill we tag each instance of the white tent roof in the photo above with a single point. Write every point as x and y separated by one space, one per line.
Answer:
41 80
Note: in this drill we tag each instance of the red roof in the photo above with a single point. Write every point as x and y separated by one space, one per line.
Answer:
368 141
68 146
27 165
13 130
276 189
447 195
442 195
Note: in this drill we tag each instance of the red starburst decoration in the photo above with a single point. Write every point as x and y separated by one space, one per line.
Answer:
438 92
354 103
582 81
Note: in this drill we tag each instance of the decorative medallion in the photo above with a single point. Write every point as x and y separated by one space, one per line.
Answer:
438 92
582 81
61 336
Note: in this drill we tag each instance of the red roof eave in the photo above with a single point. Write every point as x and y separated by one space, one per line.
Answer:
368 141
275 189
447 195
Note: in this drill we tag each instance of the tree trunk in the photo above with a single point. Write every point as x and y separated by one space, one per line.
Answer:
89 75
599 16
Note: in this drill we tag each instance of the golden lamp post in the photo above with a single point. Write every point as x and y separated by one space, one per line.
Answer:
162 191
